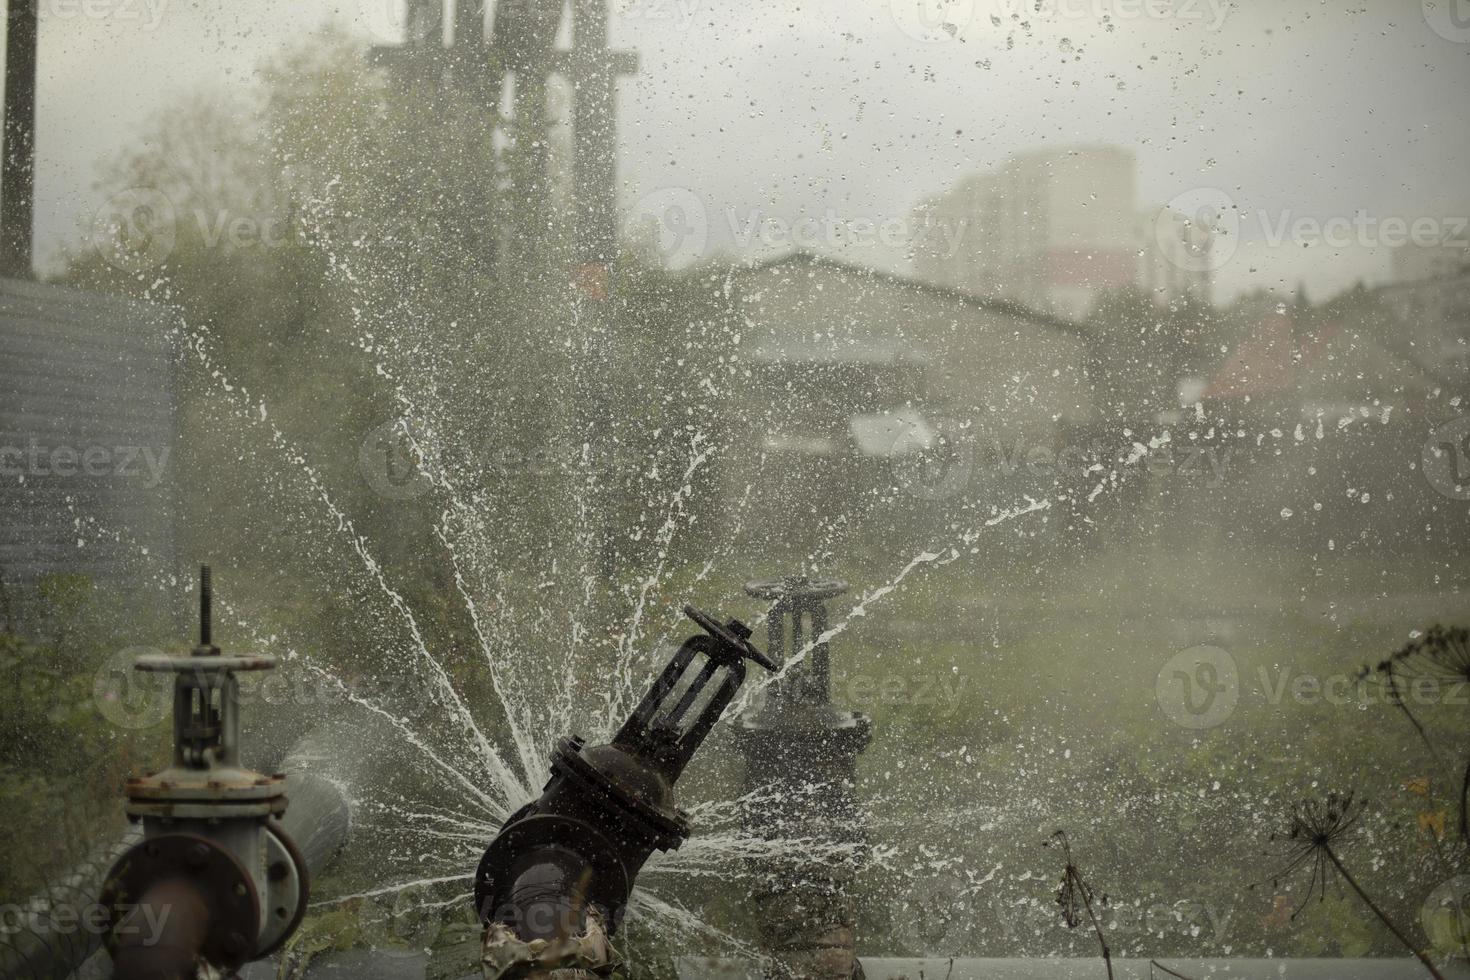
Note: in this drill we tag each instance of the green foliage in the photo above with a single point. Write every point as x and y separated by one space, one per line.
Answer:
1335 925
456 952
339 928
62 766
63 599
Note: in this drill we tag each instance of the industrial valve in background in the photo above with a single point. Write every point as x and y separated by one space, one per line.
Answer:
215 873
801 757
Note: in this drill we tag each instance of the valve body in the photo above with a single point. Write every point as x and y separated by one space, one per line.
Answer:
215 872
801 755
560 872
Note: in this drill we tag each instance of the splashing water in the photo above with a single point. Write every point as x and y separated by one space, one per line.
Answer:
538 698
490 758
537 704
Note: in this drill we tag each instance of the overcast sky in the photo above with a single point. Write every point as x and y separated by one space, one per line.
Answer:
859 108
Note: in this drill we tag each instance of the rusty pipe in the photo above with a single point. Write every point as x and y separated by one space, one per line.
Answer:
164 934
65 927
63 934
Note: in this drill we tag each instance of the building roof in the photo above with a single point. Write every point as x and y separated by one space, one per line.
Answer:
1330 359
1264 362
876 352
802 257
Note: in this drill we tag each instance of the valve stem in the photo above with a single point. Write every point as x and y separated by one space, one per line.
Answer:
206 603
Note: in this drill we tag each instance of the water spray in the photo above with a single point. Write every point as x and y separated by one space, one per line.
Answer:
799 744
554 883
216 880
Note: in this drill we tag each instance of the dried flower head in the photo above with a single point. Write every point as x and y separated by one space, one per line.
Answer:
1314 827
1441 655
1075 898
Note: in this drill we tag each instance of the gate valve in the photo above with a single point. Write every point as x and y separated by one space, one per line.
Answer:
215 873
573 854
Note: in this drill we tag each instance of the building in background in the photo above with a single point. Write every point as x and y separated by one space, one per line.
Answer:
851 377
87 434
1054 229
1429 308
1413 263
1174 260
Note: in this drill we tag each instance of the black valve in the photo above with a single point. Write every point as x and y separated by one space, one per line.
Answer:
801 753
607 808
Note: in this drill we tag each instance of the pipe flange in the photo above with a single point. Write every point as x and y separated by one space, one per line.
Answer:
665 827
231 907
288 889
610 882
795 587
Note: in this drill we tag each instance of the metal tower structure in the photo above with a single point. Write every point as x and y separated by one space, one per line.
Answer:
17 175
507 68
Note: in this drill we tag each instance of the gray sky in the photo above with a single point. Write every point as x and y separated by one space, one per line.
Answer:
1291 109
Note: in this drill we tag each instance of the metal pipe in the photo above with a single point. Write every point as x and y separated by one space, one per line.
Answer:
211 837
66 928
170 952
319 818
545 892
800 744
63 926
196 848
553 884
18 174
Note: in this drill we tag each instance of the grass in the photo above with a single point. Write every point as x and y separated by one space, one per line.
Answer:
1012 697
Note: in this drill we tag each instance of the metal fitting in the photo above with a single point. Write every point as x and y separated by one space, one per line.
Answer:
561 870
805 748
214 866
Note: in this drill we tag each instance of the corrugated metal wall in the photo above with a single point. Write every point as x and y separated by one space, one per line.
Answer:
87 427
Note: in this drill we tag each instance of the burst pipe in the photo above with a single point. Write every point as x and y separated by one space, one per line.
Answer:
552 886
